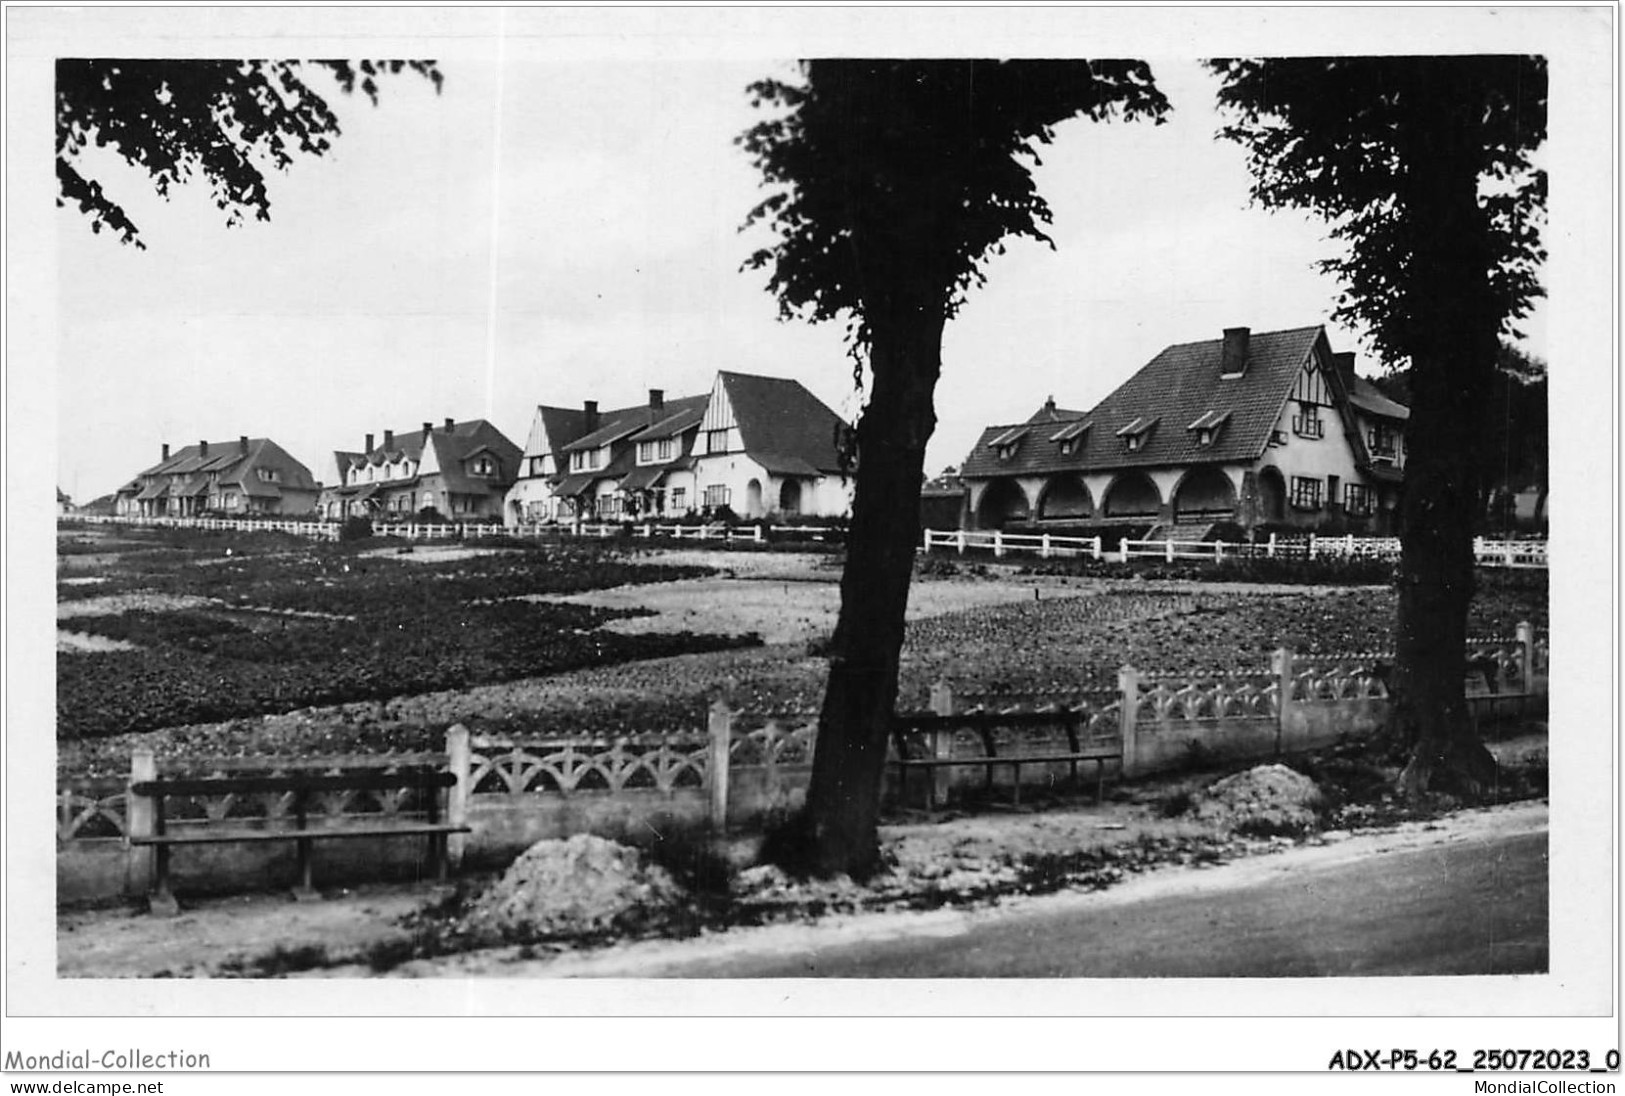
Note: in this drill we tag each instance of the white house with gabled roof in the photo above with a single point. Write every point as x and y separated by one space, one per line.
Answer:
1271 430
758 447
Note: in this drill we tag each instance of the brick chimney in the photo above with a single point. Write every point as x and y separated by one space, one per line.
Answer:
1233 359
166 451
1049 404
242 444
389 441
657 400
1344 364
450 425
428 428
589 411
368 449
202 448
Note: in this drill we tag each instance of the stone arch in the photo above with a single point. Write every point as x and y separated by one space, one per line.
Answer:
1271 495
753 499
1132 495
1066 497
790 497
1205 493
1002 501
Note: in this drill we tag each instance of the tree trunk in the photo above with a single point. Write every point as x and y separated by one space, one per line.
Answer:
836 831
1454 344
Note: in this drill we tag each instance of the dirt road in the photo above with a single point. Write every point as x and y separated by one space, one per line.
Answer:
1478 907
1464 895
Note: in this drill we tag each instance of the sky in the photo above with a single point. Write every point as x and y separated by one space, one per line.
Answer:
554 228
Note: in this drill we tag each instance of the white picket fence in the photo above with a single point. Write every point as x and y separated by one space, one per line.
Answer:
1487 553
648 530
315 530
1047 546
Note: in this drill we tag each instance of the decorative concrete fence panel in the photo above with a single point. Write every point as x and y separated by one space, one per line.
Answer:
743 770
527 789
1172 723
96 818
769 763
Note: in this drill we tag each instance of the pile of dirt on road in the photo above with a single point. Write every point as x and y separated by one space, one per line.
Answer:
585 886
1268 799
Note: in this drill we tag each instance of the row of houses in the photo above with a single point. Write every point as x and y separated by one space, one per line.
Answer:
752 447
1246 430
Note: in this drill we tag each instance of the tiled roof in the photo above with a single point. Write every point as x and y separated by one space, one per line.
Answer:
611 432
570 486
1369 398
673 425
237 467
673 417
784 464
451 449
641 479
1050 413
782 421
1179 386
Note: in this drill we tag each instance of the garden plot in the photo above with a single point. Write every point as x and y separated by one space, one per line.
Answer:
130 603
785 604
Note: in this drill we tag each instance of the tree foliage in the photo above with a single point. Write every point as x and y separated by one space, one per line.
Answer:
225 122
1362 141
1424 168
893 182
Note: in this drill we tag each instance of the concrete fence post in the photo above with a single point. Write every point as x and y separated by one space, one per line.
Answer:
1043 546
1281 666
757 537
1270 551
998 543
1349 550
1526 656
1097 546
459 762
942 744
1218 551
962 542
719 725
139 821
1168 550
1128 699
1314 546
1122 548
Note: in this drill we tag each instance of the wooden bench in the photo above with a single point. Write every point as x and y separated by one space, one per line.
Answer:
300 787
983 723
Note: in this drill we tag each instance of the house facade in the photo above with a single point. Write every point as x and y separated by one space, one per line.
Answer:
459 470
756 447
1266 431
245 477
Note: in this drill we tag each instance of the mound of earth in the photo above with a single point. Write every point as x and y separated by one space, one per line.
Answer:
1268 798
583 886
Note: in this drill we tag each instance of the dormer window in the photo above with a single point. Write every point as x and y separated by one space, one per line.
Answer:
1071 436
655 452
1207 427
1136 433
482 466
1005 445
